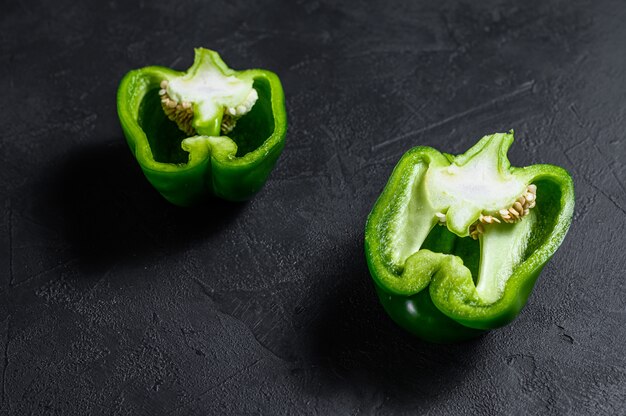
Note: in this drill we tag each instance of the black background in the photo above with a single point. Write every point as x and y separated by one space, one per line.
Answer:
115 302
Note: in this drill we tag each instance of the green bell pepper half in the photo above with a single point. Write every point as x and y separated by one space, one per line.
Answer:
185 170
450 252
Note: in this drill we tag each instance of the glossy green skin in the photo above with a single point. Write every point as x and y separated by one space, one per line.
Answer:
232 169
447 310
418 315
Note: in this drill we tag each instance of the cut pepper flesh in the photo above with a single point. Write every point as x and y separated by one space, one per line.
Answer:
477 195
200 99
228 128
463 189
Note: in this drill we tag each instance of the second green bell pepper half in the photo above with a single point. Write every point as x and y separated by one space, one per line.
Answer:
209 131
455 243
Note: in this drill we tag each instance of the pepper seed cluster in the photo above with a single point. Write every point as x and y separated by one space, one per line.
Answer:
515 213
520 208
182 113
231 114
179 113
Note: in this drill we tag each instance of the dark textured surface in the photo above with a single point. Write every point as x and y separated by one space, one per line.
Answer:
113 302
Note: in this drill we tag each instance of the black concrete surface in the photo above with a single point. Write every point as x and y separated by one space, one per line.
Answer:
113 302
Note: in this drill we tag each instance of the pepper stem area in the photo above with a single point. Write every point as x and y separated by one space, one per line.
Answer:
182 113
209 98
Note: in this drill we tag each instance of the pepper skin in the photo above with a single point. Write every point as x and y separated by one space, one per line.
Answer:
455 244
186 168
